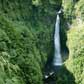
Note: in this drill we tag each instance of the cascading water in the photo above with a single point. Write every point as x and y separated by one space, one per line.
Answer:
57 54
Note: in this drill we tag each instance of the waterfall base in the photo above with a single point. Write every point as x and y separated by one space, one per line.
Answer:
55 69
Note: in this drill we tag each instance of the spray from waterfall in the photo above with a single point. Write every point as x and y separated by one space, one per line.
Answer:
57 53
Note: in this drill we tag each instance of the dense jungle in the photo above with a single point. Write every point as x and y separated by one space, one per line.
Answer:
27 41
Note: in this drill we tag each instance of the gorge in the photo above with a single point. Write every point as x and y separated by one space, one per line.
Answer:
27 41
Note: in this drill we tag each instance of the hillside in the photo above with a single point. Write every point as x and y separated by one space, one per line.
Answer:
27 43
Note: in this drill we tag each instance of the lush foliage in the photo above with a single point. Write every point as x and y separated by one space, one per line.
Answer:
75 63
25 39
76 59
80 9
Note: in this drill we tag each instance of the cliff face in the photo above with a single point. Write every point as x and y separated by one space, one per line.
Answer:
75 63
26 31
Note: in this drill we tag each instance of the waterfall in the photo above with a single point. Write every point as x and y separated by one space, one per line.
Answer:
57 53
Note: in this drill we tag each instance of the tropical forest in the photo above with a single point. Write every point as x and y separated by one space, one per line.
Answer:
41 42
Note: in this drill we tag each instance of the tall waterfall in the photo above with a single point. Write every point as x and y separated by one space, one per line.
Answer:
57 53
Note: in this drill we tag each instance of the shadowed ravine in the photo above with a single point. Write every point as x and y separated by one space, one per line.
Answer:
56 69
62 76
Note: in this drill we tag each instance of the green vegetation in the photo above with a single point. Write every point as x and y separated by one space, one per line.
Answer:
26 40
75 63
80 9
76 59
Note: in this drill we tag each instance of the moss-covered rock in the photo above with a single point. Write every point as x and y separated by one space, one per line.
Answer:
76 58
75 63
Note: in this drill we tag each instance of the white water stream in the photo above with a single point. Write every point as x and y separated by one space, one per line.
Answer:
57 53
